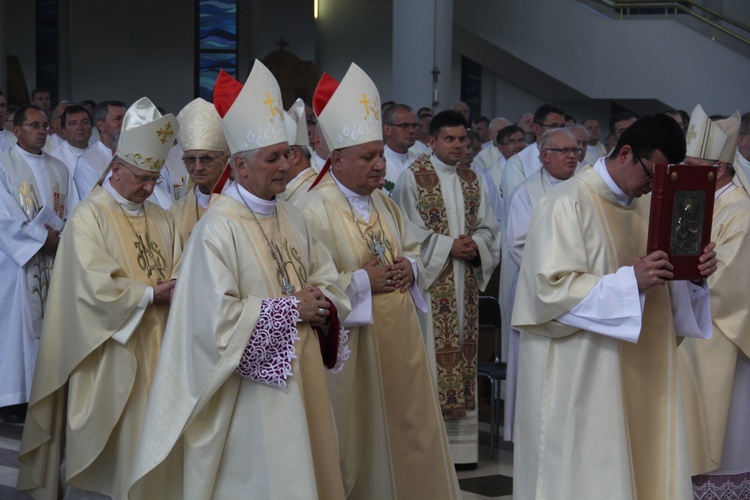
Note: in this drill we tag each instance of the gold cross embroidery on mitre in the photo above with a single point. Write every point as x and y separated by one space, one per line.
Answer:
165 133
365 101
270 100
692 134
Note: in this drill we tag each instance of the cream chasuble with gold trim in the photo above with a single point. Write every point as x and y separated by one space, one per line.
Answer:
596 417
90 391
708 367
186 212
391 435
210 432
298 186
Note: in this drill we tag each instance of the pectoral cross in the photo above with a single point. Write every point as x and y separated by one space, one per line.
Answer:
286 287
378 249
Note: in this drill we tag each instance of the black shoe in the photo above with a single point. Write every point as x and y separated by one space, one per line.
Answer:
465 467
14 414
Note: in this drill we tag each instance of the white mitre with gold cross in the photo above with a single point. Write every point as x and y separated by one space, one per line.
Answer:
146 136
712 140
252 114
296 124
348 112
200 127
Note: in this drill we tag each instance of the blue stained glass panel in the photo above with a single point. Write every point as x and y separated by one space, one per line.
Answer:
217 25
210 64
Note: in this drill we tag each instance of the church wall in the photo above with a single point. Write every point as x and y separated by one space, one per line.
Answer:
127 50
19 30
355 31
610 59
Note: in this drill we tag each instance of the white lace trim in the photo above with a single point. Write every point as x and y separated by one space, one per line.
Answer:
722 488
343 352
268 355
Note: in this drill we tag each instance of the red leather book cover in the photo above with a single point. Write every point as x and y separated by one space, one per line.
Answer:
682 206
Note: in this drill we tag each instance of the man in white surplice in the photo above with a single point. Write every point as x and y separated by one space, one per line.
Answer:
400 127
598 408
34 189
557 151
75 125
517 169
7 139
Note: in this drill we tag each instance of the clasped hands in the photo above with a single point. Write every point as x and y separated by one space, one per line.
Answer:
464 247
313 306
386 279
655 269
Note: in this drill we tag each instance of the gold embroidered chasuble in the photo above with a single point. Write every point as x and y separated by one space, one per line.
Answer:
431 194
596 417
209 432
707 367
90 391
391 437
184 212
299 185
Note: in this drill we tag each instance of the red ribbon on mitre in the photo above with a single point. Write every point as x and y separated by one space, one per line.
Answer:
323 92
226 90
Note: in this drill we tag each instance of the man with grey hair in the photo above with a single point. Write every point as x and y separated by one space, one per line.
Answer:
582 136
557 151
241 351
91 164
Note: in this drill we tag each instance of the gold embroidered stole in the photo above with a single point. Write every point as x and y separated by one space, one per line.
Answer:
456 359
26 192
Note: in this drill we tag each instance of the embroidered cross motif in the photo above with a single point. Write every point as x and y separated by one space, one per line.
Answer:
165 133
269 100
692 134
365 101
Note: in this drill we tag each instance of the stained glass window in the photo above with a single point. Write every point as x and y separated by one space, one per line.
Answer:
216 43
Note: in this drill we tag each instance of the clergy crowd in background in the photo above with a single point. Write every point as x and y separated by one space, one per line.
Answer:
246 300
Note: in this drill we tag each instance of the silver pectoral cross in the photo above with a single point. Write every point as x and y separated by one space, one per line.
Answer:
378 249
286 287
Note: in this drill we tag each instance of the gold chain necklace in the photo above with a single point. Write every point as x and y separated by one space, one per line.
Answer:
373 244
286 286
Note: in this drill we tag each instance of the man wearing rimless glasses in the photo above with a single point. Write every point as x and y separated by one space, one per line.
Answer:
599 320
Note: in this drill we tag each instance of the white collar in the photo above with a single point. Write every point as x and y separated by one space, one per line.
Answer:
601 168
76 151
401 156
30 156
359 202
726 189
104 148
256 204
202 198
130 208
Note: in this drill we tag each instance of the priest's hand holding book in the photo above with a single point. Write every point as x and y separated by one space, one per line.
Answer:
655 269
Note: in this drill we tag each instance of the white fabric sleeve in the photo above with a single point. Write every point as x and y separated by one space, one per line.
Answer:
613 307
414 288
360 295
691 307
519 220
123 334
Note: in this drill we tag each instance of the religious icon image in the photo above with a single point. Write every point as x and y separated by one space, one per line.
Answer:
687 223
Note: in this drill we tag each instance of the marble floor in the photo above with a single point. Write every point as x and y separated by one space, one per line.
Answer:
491 480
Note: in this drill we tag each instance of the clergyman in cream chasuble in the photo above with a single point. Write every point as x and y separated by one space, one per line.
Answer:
210 432
98 349
391 435
597 416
